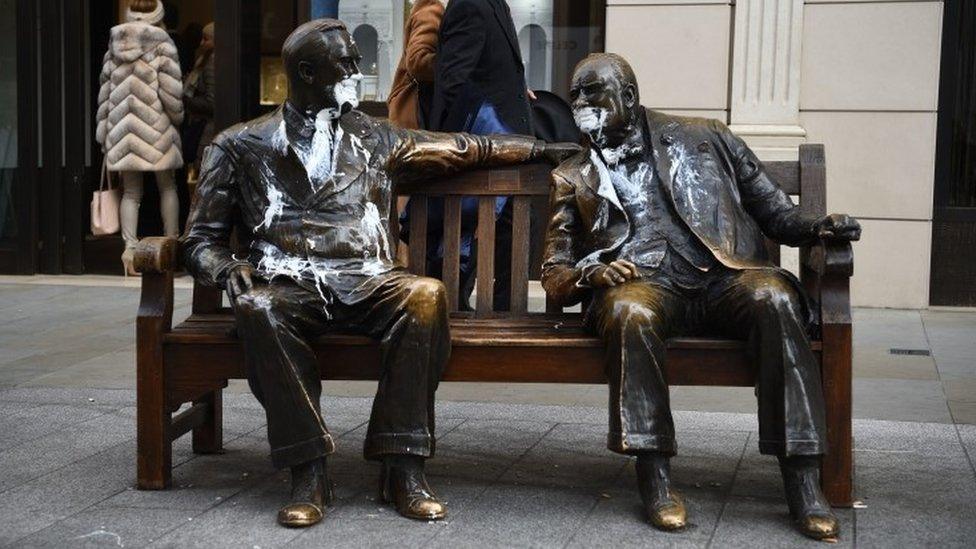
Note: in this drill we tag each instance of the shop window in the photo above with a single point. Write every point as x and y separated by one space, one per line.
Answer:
536 54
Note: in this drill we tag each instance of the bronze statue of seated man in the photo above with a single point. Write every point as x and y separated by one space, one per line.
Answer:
309 190
661 223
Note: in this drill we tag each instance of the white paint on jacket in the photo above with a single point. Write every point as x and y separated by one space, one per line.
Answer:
276 206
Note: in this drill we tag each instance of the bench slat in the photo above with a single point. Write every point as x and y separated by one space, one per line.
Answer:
521 239
452 249
418 235
486 254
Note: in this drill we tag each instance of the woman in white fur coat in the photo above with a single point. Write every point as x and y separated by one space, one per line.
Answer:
140 108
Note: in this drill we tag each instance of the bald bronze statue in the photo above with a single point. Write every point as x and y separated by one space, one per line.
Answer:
309 189
660 224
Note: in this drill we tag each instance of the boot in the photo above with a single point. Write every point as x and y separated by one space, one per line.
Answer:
403 484
311 491
808 507
664 506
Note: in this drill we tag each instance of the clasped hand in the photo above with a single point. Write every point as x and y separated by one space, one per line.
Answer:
617 272
840 227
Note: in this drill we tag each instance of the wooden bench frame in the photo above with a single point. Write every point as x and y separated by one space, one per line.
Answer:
193 361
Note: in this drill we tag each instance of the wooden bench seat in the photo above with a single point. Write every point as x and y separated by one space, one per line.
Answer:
192 361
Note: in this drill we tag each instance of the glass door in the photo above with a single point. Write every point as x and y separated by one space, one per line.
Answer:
18 149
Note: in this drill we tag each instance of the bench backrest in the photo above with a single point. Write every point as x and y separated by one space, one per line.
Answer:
805 178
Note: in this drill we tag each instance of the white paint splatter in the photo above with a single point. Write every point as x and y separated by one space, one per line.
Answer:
320 157
684 173
592 120
372 225
99 533
346 91
276 206
275 263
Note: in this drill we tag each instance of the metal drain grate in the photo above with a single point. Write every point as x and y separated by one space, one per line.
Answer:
911 352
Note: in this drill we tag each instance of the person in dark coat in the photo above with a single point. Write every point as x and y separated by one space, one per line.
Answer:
660 225
479 88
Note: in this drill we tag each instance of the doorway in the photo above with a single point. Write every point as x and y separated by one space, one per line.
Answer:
953 280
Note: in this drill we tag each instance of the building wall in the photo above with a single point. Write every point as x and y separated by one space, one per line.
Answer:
860 76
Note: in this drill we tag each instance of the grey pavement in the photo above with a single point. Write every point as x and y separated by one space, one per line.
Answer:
519 465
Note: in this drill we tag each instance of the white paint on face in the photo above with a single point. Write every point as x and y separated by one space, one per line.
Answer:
347 92
592 121
276 206
615 155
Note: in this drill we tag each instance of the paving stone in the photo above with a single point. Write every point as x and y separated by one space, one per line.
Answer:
62 447
103 526
484 449
356 533
23 423
37 504
907 446
572 455
247 519
758 522
967 434
934 507
514 515
900 400
206 480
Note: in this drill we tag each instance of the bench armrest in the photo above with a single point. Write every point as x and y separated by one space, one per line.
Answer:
156 254
826 270
830 259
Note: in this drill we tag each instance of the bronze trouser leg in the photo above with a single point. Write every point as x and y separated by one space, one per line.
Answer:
635 319
273 322
408 314
765 307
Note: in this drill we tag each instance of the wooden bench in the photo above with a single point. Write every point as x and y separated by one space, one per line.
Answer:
192 362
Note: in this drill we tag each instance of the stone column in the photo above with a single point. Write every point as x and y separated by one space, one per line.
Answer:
765 101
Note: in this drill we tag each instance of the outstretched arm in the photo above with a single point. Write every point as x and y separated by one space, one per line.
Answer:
422 154
771 207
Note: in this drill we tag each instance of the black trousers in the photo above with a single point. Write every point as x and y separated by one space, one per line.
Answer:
407 314
764 307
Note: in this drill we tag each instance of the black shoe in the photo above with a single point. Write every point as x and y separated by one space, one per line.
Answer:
808 507
403 484
311 491
664 507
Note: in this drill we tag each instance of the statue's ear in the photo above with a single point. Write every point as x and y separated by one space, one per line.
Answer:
629 96
306 72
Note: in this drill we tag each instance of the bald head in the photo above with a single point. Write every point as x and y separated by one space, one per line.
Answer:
605 98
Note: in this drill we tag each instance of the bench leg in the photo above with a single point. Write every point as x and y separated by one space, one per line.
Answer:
153 439
209 437
838 464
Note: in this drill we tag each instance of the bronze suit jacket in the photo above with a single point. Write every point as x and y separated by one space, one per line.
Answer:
252 178
716 184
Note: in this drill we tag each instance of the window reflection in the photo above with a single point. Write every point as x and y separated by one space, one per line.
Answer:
551 33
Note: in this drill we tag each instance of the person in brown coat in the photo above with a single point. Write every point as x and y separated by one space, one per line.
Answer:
413 84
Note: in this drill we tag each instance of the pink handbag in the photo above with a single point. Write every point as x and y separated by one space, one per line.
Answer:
105 206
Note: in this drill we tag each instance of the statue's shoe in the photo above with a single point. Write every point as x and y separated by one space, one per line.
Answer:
300 515
406 488
311 491
667 514
809 508
664 507
818 526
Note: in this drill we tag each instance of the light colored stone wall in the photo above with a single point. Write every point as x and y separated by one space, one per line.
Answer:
867 75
